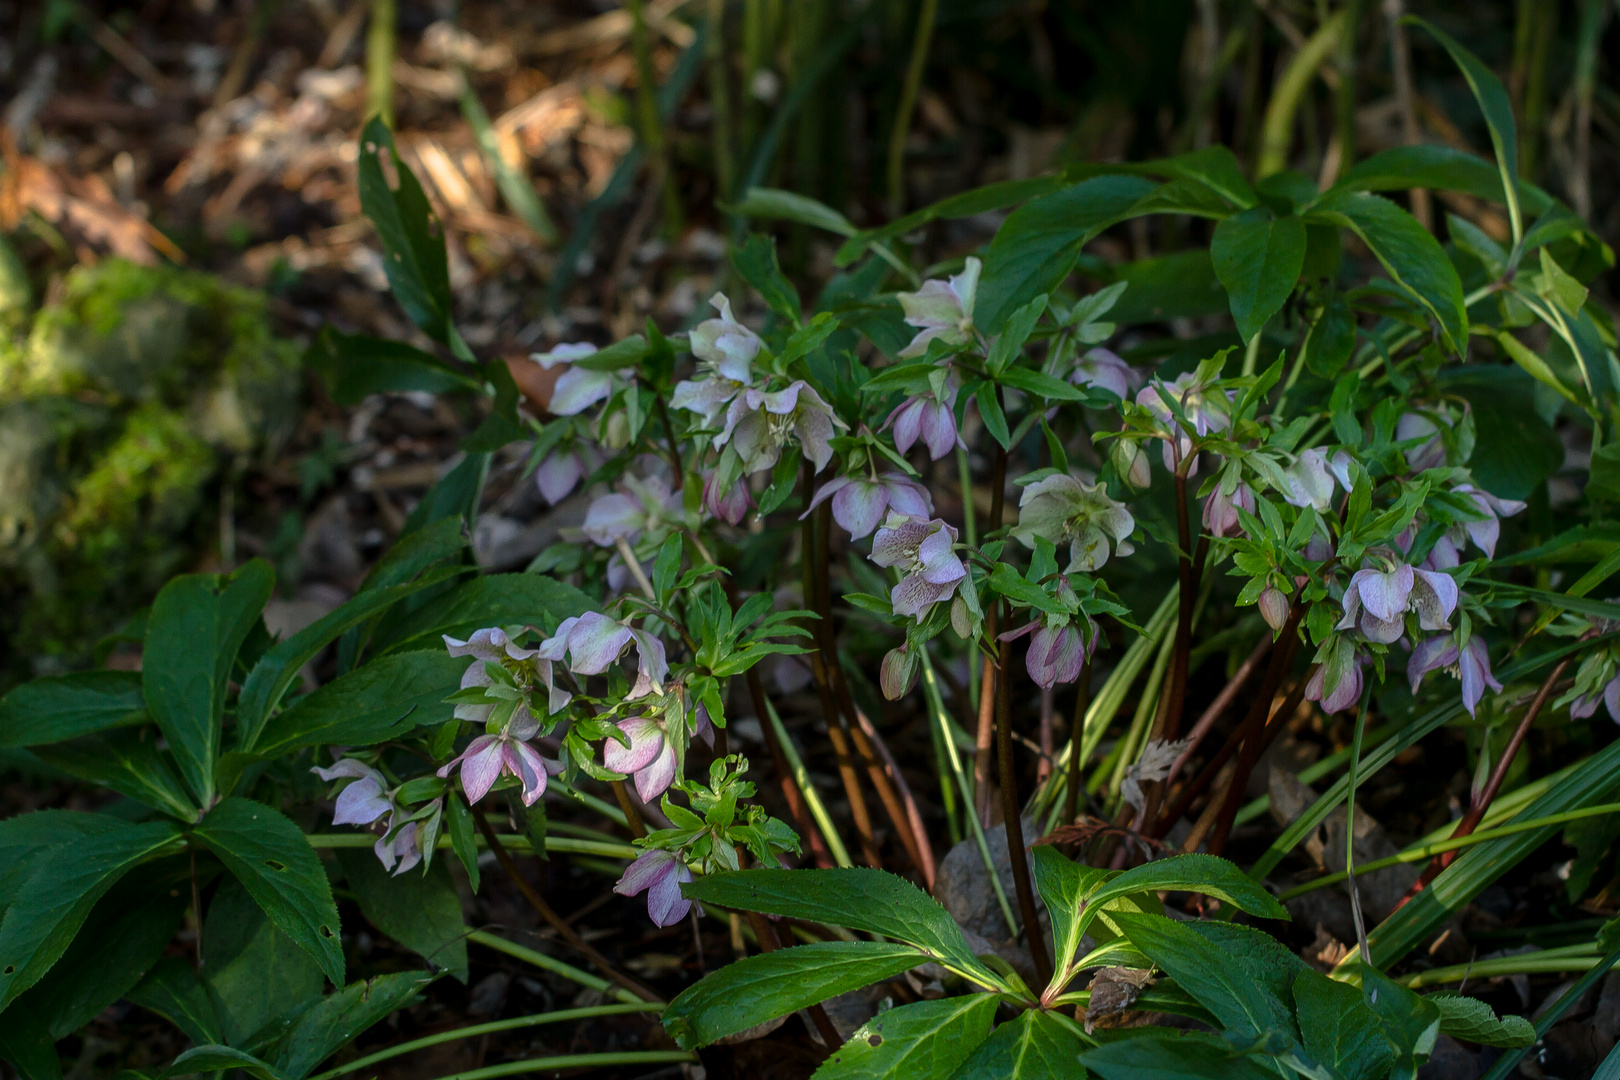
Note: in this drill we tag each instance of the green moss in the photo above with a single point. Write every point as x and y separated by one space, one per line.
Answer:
119 409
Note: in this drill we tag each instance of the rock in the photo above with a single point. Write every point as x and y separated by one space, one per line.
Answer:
1606 1017
962 886
1380 890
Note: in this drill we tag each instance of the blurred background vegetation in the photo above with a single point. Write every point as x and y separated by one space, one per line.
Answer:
180 216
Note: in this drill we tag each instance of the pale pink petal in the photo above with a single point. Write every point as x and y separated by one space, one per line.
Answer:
595 642
665 904
1435 652
859 506
361 803
480 766
827 491
649 868
578 389
907 422
646 741
557 475
1385 595
654 779
907 497
938 429
524 762
1435 597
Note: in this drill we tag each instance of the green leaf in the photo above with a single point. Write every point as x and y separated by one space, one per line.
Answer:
1248 1012
1205 874
1530 361
124 936
454 496
1514 448
1410 1023
756 263
1183 285
269 855
1010 342
1063 885
760 988
1332 340
1040 384
1190 1055
519 193
491 600
342 1017
995 420
1559 286
1498 109
980 200
1338 1029
1474 1021
1258 258
271 677
458 820
1037 245
356 366
25 1042
173 991
1408 253
209 1059
28 839
780 205
62 890
413 244
926 1040
1035 1046
420 911
198 623
59 707
858 898
1443 168
1181 196
379 701
1603 484
256 980
128 762
414 552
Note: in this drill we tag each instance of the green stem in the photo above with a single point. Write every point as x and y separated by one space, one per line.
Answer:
812 798
602 848
513 1024
908 102
556 967
575 1061
936 705
380 61
1135 734
725 165
1545 962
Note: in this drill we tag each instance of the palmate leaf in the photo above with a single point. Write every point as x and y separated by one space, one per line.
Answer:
128 762
255 978
173 991
927 1040
59 707
198 623
379 701
1035 1046
62 889
342 1017
1258 257
760 988
270 856
857 898
491 600
1338 1028
420 911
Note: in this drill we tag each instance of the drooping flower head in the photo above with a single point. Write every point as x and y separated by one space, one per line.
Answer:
1471 664
729 502
488 756
494 646
561 470
725 350
365 801
758 425
1432 452
639 508
1311 478
929 417
922 550
858 503
1205 407
1336 682
593 642
578 388
1220 515
1597 680
1066 508
1103 369
1058 649
1376 601
651 756
941 310
660 875
1485 531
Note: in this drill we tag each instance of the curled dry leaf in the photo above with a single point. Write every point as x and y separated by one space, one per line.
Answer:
1113 990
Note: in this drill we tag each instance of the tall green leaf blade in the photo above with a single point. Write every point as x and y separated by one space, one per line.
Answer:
60 893
1189 1055
858 898
128 762
379 701
760 988
1063 885
413 245
198 623
271 677
59 707
1037 245
1035 1046
756 262
342 1017
1408 253
420 911
269 855
1592 782
1443 168
926 1040
1258 258
1338 1029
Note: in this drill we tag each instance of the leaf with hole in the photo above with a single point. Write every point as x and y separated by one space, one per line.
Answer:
926 1040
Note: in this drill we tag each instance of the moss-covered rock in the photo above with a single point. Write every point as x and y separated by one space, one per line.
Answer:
120 405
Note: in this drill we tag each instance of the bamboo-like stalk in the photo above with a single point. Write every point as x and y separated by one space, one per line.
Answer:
908 103
1400 60
380 61
801 776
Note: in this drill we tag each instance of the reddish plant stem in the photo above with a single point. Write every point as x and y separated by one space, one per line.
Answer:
1082 701
913 813
1016 851
1167 725
1260 732
1482 802
1043 768
632 816
1223 699
784 778
555 921
987 681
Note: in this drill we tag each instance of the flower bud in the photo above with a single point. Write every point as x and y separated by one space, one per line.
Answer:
898 673
1131 464
1274 607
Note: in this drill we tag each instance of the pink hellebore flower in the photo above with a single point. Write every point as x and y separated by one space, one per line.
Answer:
725 349
923 552
1310 480
941 309
1206 410
638 507
1430 453
594 642
1221 509
560 471
1103 369
1063 507
650 757
1376 601
1274 607
1471 664
660 875
1484 532
1583 707
361 802
488 756
858 504
577 388
1336 682
927 417
397 849
730 505
1056 653
492 645
758 425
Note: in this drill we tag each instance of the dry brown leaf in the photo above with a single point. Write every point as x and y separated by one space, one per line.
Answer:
1113 990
